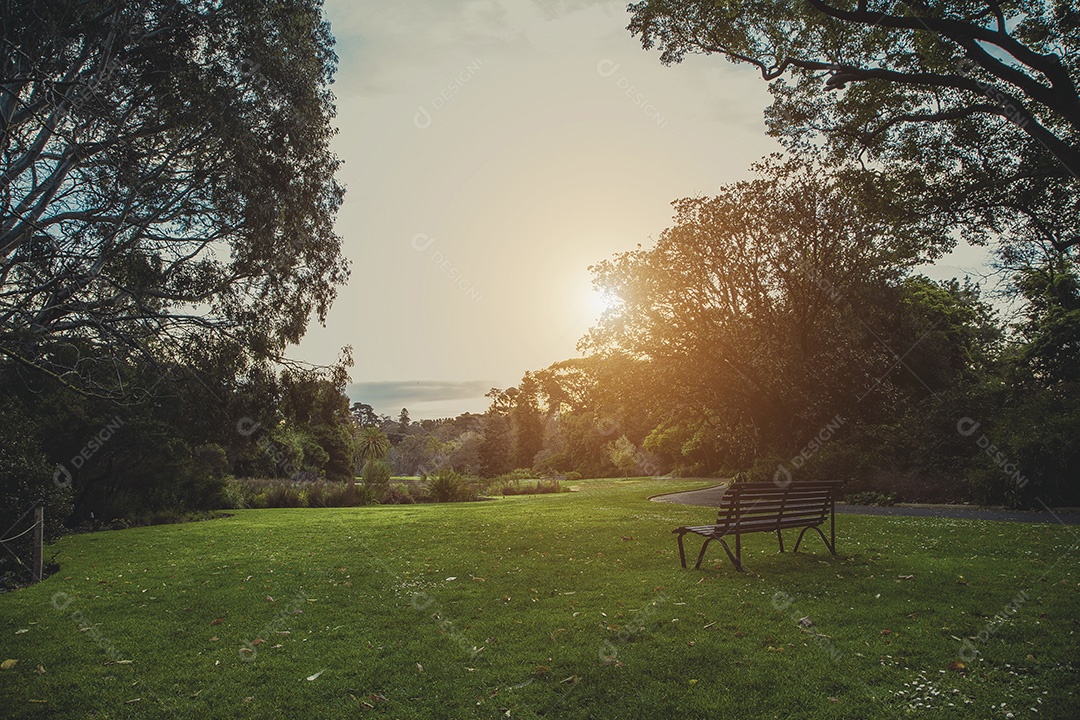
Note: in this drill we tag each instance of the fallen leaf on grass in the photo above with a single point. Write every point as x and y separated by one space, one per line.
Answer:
905 577
310 678
8 664
886 631
957 665
24 630
257 641
214 639
806 621
132 701
40 670
419 667
217 621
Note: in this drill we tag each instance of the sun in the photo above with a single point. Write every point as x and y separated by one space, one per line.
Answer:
603 301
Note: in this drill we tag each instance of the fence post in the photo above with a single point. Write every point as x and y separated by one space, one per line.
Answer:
39 536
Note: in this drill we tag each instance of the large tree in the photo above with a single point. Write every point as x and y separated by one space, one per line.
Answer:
973 105
165 173
768 306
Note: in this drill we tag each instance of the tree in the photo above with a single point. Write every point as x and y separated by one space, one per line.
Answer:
621 452
973 106
1050 329
372 444
494 451
165 174
759 307
526 426
403 421
364 415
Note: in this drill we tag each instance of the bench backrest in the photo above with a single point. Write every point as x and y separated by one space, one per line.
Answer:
796 502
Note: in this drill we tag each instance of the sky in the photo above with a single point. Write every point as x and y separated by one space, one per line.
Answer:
493 150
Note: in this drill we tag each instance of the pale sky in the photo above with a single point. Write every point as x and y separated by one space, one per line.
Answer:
493 150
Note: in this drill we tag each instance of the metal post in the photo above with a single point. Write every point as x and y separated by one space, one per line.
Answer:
39 536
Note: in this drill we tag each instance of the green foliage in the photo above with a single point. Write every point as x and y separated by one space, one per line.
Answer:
275 492
372 444
211 131
621 452
377 477
446 486
870 498
961 137
541 487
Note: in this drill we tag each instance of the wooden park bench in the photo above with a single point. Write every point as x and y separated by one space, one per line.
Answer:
750 507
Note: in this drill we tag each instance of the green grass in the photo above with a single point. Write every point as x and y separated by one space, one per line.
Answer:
575 602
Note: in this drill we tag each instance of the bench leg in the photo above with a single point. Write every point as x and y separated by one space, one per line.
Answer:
736 559
831 546
780 539
701 555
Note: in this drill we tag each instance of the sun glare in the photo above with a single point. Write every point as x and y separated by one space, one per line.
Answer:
602 301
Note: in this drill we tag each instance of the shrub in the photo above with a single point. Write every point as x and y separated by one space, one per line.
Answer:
573 476
445 486
397 495
377 476
870 498
283 496
349 494
315 494
541 487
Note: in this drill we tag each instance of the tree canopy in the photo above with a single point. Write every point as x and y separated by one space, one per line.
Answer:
165 174
973 104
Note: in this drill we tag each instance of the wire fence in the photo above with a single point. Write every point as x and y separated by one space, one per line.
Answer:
26 545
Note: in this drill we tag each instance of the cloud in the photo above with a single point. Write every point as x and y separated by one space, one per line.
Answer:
392 395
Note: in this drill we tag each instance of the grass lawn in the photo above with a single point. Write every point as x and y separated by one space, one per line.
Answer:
545 606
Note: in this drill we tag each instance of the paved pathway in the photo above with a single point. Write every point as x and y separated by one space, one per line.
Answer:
710 497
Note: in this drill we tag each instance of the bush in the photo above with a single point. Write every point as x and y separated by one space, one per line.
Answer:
397 495
689 471
573 476
377 476
284 496
870 497
541 487
445 486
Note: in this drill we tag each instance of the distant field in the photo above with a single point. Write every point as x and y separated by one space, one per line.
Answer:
551 606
